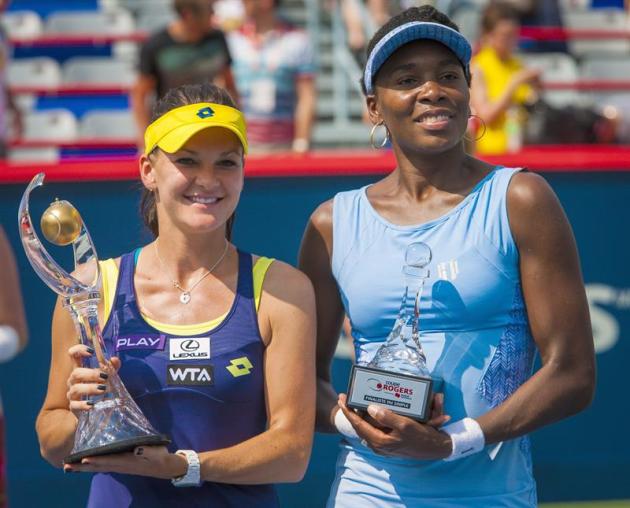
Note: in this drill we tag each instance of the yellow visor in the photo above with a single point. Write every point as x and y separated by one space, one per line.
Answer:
173 129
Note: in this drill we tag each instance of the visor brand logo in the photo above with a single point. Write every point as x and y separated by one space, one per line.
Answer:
190 375
189 349
206 112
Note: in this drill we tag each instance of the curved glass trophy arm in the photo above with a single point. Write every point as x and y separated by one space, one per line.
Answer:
115 423
60 281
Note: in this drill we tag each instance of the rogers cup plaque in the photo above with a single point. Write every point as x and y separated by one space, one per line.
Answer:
397 377
115 423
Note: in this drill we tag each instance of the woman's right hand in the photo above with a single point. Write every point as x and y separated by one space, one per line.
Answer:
86 382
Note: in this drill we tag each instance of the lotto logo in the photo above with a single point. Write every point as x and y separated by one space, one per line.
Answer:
206 112
240 366
190 375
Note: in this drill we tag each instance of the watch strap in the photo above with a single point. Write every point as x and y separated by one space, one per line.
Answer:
192 478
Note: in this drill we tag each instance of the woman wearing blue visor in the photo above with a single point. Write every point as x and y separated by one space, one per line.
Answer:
504 282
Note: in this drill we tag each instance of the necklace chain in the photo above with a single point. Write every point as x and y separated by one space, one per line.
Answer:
185 293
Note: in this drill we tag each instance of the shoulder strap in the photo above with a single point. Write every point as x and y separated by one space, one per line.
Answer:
491 213
347 213
259 272
125 292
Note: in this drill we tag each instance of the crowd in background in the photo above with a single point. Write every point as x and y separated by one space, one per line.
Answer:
269 67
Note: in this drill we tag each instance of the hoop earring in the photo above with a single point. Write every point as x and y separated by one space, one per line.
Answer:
483 132
373 131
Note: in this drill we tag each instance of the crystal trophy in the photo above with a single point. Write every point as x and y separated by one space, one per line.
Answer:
115 423
397 377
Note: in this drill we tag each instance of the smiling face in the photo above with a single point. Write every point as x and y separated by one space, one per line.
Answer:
422 96
198 187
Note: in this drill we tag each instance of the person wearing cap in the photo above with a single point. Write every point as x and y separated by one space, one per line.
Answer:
204 334
504 282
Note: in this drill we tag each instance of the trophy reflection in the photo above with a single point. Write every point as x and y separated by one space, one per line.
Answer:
115 423
397 377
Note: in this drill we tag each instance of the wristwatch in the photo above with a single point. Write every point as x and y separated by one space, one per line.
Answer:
192 478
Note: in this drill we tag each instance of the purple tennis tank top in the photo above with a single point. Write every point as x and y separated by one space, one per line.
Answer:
205 392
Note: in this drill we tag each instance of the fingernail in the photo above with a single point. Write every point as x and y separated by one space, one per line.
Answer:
102 375
90 402
373 410
85 461
101 387
91 350
139 451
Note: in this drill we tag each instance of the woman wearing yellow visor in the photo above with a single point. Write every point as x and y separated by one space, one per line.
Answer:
215 345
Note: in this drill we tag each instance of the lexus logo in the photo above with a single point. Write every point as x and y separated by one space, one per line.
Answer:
191 348
190 345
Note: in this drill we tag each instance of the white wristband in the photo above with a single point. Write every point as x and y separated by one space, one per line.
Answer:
9 343
467 438
344 426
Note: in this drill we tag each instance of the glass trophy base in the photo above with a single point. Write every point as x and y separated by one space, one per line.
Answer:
125 445
403 394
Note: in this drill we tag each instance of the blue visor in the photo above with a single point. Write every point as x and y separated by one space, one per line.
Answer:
410 32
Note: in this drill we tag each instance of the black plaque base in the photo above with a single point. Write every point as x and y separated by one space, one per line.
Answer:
126 445
403 394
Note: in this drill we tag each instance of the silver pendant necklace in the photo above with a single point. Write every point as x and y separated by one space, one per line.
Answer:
185 297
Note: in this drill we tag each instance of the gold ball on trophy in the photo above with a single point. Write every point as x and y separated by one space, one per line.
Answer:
61 223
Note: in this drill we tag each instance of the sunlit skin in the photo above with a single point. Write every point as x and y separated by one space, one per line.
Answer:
503 38
198 187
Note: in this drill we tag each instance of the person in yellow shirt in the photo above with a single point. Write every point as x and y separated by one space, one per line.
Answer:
501 85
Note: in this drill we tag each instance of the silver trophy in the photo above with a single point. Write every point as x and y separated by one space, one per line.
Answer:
397 377
115 423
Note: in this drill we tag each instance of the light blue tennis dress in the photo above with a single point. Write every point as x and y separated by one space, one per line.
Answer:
475 333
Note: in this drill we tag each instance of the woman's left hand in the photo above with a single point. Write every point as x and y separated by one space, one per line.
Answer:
398 436
154 461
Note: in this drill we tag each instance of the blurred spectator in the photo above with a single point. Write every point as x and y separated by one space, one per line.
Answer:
13 335
501 86
189 50
8 108
378 12
229 14
274 69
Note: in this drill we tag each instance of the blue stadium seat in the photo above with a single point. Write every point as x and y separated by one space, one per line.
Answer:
45 7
